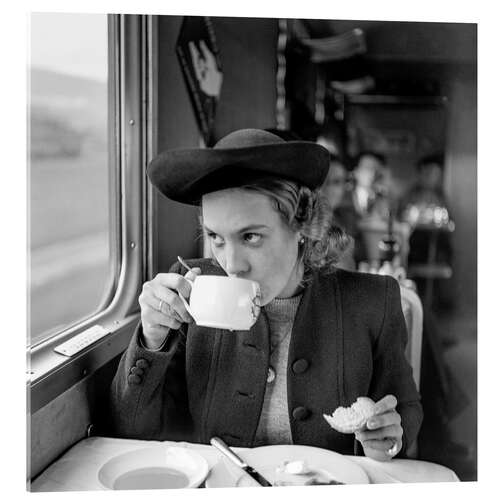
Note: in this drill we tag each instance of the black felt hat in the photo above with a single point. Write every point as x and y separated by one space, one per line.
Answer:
185 175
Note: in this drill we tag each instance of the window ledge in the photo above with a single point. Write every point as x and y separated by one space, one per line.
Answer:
51 373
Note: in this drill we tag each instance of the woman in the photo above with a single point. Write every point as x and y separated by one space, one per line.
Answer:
324 336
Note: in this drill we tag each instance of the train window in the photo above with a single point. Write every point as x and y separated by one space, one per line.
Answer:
71 230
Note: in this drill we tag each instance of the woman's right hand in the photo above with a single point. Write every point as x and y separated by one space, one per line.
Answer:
161 307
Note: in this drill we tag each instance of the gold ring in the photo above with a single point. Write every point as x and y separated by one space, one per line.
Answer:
160 305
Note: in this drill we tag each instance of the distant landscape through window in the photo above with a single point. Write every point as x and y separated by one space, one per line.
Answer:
68 197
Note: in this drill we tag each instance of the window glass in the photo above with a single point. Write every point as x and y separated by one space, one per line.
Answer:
68 185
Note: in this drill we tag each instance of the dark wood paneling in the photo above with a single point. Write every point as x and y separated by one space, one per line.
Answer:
176 225
248 54
64 420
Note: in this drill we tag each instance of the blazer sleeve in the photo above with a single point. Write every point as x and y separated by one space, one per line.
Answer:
392 373
149 397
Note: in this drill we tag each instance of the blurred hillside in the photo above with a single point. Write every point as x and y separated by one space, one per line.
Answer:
67 114
68 199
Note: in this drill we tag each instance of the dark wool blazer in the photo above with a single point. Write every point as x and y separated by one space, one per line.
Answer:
347 341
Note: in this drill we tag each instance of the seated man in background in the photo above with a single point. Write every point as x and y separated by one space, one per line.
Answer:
370 195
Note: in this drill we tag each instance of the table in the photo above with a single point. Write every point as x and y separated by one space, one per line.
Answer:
77 469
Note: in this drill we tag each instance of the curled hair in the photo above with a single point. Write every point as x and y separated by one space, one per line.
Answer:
307 212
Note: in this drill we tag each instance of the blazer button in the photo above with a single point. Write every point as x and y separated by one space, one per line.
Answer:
141 363
134 379
300 366
136 371
300 413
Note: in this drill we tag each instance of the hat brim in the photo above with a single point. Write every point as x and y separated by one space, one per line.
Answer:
185 175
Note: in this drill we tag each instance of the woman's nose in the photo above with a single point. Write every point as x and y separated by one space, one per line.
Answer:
235 262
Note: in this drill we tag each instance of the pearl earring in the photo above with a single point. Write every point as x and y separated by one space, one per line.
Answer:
302 240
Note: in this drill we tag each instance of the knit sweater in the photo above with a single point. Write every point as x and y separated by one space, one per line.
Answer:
274 423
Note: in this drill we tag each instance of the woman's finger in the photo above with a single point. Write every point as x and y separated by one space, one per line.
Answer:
193 273
173 281
391 431
383 420
190 276
175 307
385 404
379 444
156 300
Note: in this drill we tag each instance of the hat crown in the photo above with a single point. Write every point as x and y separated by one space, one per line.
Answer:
185 175
247 137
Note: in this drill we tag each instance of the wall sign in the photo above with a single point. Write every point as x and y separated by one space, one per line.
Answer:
201 66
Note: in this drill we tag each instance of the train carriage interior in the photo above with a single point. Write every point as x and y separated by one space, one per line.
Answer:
97 230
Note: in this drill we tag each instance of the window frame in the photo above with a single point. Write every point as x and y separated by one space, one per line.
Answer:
132 48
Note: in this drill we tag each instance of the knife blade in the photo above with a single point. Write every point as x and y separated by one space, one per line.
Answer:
220 445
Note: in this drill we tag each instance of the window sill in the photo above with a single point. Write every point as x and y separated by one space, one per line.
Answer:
51 373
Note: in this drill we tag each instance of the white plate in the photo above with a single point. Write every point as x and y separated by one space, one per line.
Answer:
158 467
266 459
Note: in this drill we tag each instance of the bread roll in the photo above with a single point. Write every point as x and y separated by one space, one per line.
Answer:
352 419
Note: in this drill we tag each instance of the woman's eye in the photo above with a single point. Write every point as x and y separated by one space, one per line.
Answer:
216 239
252 237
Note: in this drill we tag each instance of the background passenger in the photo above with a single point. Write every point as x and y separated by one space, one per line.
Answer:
371 190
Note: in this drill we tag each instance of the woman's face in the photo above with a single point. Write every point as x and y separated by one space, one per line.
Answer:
249 239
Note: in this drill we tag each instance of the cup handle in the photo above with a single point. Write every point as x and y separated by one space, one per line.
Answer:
255 304
256 291
184 301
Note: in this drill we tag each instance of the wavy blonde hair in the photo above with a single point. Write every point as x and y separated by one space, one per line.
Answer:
306 211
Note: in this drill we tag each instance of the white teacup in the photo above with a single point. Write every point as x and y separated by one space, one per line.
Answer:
224 302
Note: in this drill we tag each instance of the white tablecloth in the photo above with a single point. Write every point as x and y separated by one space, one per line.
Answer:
77 469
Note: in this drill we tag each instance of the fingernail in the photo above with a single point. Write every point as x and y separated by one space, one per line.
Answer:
371 423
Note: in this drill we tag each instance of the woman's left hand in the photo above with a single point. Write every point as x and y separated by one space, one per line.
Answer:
382 439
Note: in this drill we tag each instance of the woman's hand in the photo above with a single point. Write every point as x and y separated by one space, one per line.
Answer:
161 307
382 439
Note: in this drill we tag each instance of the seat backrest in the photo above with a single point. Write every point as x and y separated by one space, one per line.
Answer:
413 313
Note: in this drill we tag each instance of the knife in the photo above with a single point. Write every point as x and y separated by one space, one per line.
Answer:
227 452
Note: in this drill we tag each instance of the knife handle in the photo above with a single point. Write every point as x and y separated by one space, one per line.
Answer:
224 448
